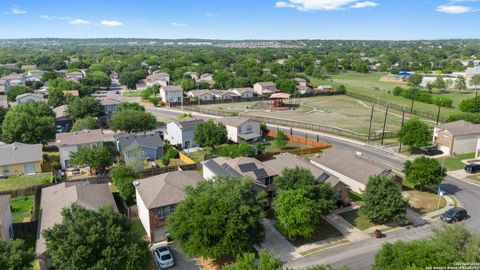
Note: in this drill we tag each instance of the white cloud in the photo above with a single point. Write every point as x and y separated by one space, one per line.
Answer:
454 9
17 10
211 15
79 22
179 24
46 17
111 23
365 4
62 18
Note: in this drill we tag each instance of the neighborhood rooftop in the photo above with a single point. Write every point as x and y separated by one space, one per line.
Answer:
234 121
149 140
188 123
16 153
460 127
80 137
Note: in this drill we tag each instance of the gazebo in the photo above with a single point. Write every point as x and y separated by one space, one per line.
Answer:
278 98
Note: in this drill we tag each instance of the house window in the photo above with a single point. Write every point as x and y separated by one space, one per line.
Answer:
445 137
6 169
165 211
249 129
268 181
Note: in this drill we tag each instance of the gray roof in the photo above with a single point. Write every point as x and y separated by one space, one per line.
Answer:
29 94
461 127
57 197
16 153
243 90
289 161
245 166
109 101
79 137
188 123
172 88
350 164
3 102
166 189
223 170
200 92
233 121
148 140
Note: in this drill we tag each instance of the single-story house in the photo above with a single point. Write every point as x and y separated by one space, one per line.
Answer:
325 89
6 227
224 95
457 137
150 144
265 88
28 67
247 92
202 94
351 168
171 93
157 197
63 121
57 197
304 90
206 78
191 74
15 79
241 129
70 143
266 71
181 133
289 161
74 76
20 158
23 98
35 75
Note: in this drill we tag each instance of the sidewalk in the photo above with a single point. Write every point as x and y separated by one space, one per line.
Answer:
277 244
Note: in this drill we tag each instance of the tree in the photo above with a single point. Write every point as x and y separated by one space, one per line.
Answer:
383 200
414 81
286 85
475 81
47 76
131 78
218 218
15 255
98 158
55 97
281 140
130 120
424 171
130 106
247 261
210 133
187 84
85 123
440 84
85 106
236 150
104 238
123 177
16 91
30 122
97 78
461 83
415 133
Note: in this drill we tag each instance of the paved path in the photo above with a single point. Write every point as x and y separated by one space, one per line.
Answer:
277 244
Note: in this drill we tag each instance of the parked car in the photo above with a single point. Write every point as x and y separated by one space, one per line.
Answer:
454 215
163 256
431 151
472 168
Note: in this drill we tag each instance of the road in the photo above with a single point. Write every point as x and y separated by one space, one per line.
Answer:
360 255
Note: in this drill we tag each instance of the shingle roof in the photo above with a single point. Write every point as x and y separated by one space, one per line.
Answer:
172 88
57 197
188 123
266 84
80 137
61 111
29 94
461 127
109 101
234 121
166 189
245 166
16 153
149 140
243 90
74 93
200 92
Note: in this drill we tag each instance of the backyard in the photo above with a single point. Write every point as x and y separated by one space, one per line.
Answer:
23 181
21 208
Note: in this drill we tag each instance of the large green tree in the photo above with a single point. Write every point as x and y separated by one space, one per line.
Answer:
123 177
424 171
97 78
88 239
30 122
414 81
16 91
383 200
247 261
415 133
210 133
130 106
130 120
15 255
218 218
461 83
281 140
97 158
88 122
85 106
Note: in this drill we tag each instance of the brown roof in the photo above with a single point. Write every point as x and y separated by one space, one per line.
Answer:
57 197
166 189
172 88
81 137
461 127
61 111
71 92
109 101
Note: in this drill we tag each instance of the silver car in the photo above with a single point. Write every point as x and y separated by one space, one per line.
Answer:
163 256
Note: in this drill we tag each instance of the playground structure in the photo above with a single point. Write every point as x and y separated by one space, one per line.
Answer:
278 100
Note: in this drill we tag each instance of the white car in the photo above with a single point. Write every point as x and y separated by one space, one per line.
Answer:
163 256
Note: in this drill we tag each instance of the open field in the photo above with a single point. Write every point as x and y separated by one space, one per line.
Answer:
339 111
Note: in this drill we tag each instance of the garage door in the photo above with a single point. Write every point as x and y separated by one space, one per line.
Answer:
444 149
29 167
159 235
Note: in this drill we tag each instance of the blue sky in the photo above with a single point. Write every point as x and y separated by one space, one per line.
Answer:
241 19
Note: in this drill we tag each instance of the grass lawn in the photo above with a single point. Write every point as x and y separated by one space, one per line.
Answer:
273 148
324 231
132 93
425 202
21 208
356 198
455 163
22 181
357 219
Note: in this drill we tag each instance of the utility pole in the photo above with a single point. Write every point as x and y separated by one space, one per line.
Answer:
371 119
438 113
401 129
385 124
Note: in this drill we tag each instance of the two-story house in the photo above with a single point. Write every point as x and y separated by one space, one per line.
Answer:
181 133
459 137
241 129
109 105
63 121
171 93
150 144
157 197
70 142
20 158
265 88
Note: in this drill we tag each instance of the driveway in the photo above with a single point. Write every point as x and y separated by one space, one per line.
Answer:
182 262
277 244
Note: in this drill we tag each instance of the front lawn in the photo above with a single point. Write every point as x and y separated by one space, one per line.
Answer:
355 197
21 208
454 163
23 181
324 231
425 202
357 219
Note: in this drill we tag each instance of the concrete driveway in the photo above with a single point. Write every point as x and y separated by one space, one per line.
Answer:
277 244
182 262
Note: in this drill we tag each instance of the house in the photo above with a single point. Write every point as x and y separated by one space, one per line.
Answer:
351 168
181 133
300 81
35 75
3 102
202 94
63 195
160 78
171 93
206 78
6 227
23 98
15 79
63 121
457 137
241 129
324 89
19 158
261 175
244 93
70 142
28 67
289 161
192 75
150 144
266 71
109 105
265 88
224 95
74 76
73 93
4 86
304 90
157 197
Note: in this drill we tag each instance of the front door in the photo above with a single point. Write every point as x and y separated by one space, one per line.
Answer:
29 167
186 144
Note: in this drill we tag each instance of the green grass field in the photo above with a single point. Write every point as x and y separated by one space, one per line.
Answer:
454 163
21 208
357 219
22 181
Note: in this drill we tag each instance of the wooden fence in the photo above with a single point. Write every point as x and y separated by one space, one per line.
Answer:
25 227
301 140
